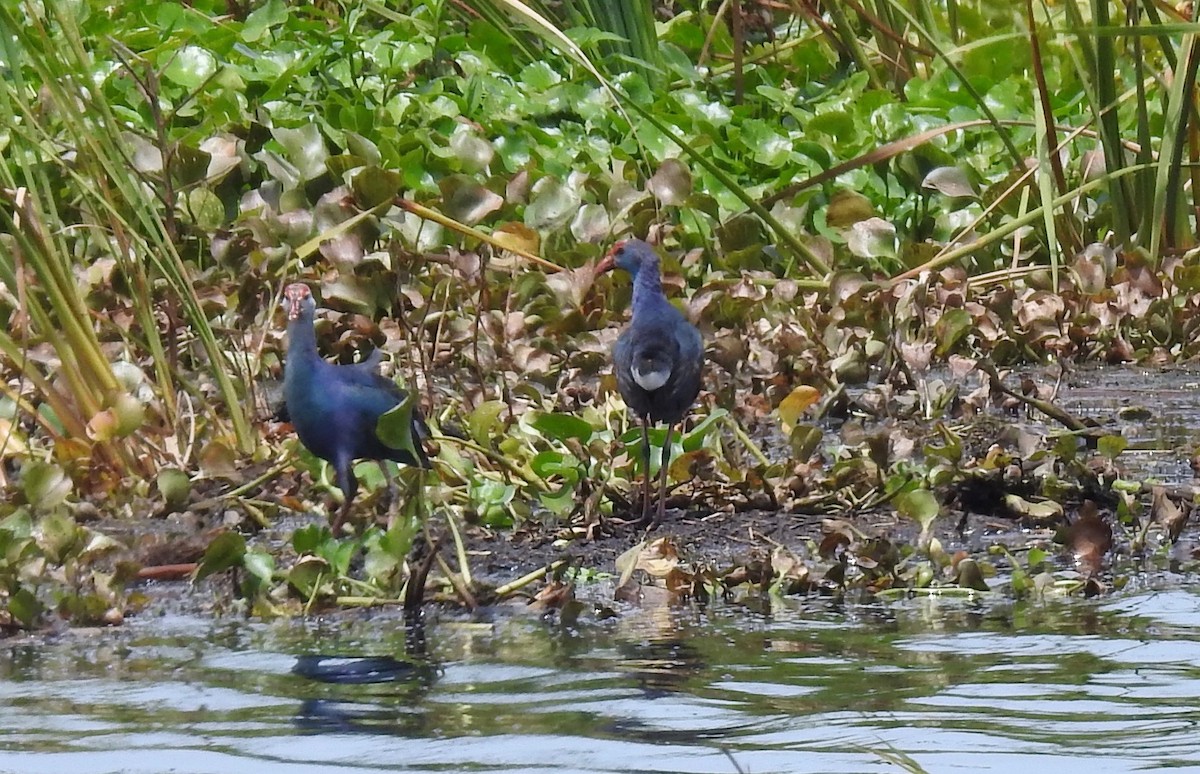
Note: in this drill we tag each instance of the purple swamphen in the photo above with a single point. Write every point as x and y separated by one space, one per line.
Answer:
335 408
658 358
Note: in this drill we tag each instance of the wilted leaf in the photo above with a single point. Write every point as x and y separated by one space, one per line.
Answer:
466 201
872 238
671 184
969 575
573 285
591 223
796 403
949 181
1044 512
1089 538
950 329
1166 512
847 208
518 236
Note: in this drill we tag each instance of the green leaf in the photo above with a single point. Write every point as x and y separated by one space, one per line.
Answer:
548 464
395 426
190 67
45 485
920 505
271 14
174 485
483 420
950 328
374 186
1111 446
561 427
695 439
25 607
308 539
226 551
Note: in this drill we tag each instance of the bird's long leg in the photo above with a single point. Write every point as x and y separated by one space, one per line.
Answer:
393 492
662 474
349 486
645 469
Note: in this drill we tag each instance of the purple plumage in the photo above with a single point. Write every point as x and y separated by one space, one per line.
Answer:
659 357
335 408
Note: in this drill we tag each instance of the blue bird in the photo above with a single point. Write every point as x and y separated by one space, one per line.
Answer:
658 358
335 408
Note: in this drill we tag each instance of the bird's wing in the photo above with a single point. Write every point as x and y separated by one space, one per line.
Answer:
373 401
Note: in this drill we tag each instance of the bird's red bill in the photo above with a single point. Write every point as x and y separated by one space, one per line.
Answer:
294 294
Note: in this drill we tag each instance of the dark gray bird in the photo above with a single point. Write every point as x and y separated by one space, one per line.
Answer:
658 358
335 408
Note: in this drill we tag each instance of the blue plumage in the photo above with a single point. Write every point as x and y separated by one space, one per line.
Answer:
659 358
335 408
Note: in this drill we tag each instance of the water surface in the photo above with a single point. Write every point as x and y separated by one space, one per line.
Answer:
939 685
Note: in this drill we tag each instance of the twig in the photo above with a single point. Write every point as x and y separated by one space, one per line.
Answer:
514 586
460 588
745 440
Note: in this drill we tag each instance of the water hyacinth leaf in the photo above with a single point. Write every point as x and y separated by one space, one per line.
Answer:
363 148
793 406
145 156
205 208
24 607
373 186
224 552
949 181
552 205
491 499
280 169
1046 512
190 68
308 539
259 565
804 440
847 208
562 427
970 576
953 325
57 535
591 223
309 575
671 184
920 505
223 157
472 152
695 439
518 236
270 14
872 238
1111 446
483 420
45 485
549 464
174 486
305 148
467 201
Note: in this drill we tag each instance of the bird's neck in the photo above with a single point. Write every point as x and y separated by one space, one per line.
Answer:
647 285
302 341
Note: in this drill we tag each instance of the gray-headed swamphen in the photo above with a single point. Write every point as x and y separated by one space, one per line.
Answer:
658 358
335 408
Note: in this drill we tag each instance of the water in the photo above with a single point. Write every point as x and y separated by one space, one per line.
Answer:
1070 686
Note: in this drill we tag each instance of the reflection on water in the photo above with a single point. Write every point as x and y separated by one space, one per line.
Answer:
1072 687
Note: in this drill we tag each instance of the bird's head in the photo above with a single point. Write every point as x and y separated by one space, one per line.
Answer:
629 255
298 300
